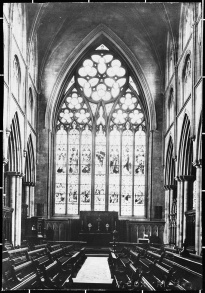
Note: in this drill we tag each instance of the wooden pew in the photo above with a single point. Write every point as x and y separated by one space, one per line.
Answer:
42 256
54 247
38 246
51 274
186 275
33 254
17 274
33 282
186 272
18 256
6 272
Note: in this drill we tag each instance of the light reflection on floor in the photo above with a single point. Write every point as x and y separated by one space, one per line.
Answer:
94 270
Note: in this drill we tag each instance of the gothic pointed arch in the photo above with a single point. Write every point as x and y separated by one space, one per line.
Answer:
101 138
14 146
185 149
30 164
102 34
170 165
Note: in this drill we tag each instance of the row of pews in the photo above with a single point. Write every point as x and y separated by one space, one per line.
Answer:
46 266
154 269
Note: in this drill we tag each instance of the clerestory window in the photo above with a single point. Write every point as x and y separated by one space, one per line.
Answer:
100 148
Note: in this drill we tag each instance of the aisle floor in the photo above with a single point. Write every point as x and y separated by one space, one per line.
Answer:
94 270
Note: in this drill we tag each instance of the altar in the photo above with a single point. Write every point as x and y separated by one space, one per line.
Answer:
97 227
96 238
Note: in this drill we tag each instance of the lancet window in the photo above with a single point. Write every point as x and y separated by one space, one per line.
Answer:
100 147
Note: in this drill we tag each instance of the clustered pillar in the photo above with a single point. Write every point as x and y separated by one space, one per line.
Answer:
16 204
198 219
184 191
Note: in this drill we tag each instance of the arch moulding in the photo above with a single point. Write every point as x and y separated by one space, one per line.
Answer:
101 31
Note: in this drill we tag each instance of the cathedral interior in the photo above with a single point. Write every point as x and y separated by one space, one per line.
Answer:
102 146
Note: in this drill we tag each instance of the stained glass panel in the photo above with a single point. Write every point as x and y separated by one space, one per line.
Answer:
114 170
86 164
61 157
127 157
100 170
73 171
101 77
139 177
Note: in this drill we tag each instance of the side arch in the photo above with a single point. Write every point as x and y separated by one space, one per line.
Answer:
14 146
185 149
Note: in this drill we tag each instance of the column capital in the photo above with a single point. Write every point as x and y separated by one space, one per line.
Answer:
19 174
178 178
5 161
8 132
197 163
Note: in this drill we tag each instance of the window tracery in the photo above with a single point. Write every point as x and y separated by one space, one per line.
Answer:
101 138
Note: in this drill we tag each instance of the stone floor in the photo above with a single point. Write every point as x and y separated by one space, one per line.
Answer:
94 270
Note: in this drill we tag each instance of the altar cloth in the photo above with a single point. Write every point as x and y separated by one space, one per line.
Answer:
94 270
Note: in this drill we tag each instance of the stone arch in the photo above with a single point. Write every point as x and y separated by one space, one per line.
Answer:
30 165
14 146
169 166
185 149
102 33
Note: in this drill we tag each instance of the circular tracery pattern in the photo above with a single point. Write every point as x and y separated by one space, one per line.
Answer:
74 108
128 109
102 77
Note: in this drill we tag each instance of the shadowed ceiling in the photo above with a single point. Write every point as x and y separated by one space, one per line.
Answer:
143 27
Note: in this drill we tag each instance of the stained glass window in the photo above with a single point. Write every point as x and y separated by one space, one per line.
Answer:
127 166
114 170
73 171
101 140
61 160
86 166
100 170
139 173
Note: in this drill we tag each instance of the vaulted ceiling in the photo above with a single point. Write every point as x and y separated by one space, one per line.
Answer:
142 27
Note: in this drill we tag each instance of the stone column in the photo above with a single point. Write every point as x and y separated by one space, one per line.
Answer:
27 196
181 212
13 203
198 219
31 209
178 209
18 209
187 180
171 197
166 215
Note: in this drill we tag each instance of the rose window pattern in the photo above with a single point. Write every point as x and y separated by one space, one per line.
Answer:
74 109
102 77
100 142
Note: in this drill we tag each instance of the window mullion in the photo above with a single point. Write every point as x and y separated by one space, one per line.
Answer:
79 175
107 170
93 167
133 173
120 189
67 162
